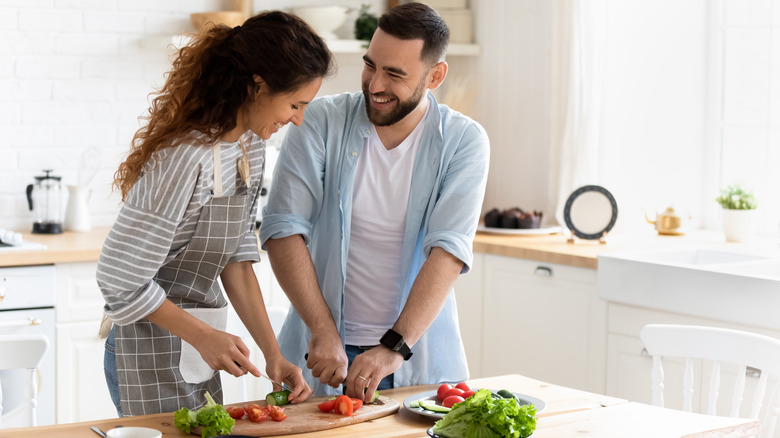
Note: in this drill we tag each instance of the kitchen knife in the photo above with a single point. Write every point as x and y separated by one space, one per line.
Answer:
284 386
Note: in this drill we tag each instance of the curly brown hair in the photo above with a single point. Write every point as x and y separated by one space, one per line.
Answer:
212 78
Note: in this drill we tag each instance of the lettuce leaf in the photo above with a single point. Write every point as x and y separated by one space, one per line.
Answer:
212 418
483 416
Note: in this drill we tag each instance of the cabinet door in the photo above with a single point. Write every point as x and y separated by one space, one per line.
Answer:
469 298
78 295
543 321
82 393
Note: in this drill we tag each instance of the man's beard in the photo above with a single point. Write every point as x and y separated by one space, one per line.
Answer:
401 110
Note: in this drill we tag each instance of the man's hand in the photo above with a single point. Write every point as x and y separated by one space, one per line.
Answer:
369 368
327 359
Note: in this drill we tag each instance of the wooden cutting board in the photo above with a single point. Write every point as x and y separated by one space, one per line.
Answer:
306 417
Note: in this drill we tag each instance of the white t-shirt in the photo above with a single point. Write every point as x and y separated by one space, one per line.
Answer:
379 200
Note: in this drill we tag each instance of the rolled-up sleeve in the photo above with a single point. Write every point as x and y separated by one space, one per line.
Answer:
132 254
141 239
455 217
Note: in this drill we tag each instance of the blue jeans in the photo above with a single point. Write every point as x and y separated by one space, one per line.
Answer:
109 368
352 352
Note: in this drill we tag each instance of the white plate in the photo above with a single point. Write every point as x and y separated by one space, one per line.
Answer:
431 395
519 231
590 212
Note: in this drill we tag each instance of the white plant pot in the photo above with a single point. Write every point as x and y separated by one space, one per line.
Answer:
738 225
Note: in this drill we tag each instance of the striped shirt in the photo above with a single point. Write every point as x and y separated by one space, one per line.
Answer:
159 217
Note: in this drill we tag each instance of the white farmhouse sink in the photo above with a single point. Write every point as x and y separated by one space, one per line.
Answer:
723 284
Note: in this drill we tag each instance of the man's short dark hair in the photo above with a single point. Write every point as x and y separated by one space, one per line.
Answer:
412 21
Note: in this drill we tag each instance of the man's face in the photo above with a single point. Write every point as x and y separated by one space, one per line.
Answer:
394 78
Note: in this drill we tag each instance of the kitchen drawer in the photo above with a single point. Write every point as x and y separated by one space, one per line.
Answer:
27 287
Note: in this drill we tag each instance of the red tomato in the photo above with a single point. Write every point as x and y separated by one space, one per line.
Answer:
453 391
248 408
468 393
344 405
443 388
277 413
235 412
463 386
451 400
327 406
356 404
257 414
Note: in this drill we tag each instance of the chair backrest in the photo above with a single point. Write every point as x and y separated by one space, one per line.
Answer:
23 352
718 346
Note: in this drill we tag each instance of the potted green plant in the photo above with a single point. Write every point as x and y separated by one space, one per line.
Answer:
739 211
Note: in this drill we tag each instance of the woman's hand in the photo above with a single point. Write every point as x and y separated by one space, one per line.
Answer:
281 370
225 352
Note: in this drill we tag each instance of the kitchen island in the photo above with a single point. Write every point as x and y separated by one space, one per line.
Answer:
568 413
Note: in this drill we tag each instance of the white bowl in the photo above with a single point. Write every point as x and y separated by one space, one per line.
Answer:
323 19
133 432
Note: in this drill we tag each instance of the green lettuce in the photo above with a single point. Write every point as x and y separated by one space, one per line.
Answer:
483 416
212 418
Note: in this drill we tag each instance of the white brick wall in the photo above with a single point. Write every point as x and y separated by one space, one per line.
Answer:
75 75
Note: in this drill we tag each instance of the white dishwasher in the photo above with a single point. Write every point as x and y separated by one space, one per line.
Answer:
27 296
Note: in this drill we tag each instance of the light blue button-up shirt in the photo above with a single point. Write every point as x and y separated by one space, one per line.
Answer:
312 196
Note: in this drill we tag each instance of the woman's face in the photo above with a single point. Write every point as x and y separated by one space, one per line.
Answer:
269 113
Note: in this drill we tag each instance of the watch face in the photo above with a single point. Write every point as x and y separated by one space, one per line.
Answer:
392 340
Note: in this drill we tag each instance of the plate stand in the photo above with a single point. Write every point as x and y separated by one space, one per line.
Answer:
571 238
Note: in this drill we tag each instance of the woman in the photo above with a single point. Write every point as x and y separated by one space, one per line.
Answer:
190 186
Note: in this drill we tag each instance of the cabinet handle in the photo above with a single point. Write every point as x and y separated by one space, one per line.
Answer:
543 271
22 322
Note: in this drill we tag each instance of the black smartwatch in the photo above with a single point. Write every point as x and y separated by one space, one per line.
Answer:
394 341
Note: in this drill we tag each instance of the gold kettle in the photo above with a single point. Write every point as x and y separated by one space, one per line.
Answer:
670 222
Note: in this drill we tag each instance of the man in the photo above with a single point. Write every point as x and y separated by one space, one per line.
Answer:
375 202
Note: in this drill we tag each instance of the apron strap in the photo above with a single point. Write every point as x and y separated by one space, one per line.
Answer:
217 171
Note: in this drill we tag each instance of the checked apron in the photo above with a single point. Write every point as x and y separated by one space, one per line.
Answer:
157 371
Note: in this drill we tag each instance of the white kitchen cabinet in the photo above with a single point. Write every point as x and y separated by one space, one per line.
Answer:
469 297
628 365
537 319
82 394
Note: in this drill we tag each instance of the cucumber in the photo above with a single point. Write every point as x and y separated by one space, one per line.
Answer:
373 397
432 406
277 398
505 393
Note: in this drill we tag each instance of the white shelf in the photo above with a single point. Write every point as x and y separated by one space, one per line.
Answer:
352 46
359 46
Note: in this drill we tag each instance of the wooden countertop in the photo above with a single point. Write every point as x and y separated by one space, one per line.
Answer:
68 247
72 246
569 412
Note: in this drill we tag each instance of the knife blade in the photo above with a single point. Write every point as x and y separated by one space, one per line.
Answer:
282 384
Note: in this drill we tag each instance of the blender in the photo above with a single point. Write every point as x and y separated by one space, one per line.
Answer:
45 201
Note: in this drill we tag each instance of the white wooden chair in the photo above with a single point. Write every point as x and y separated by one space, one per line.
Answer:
23 352
718 346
